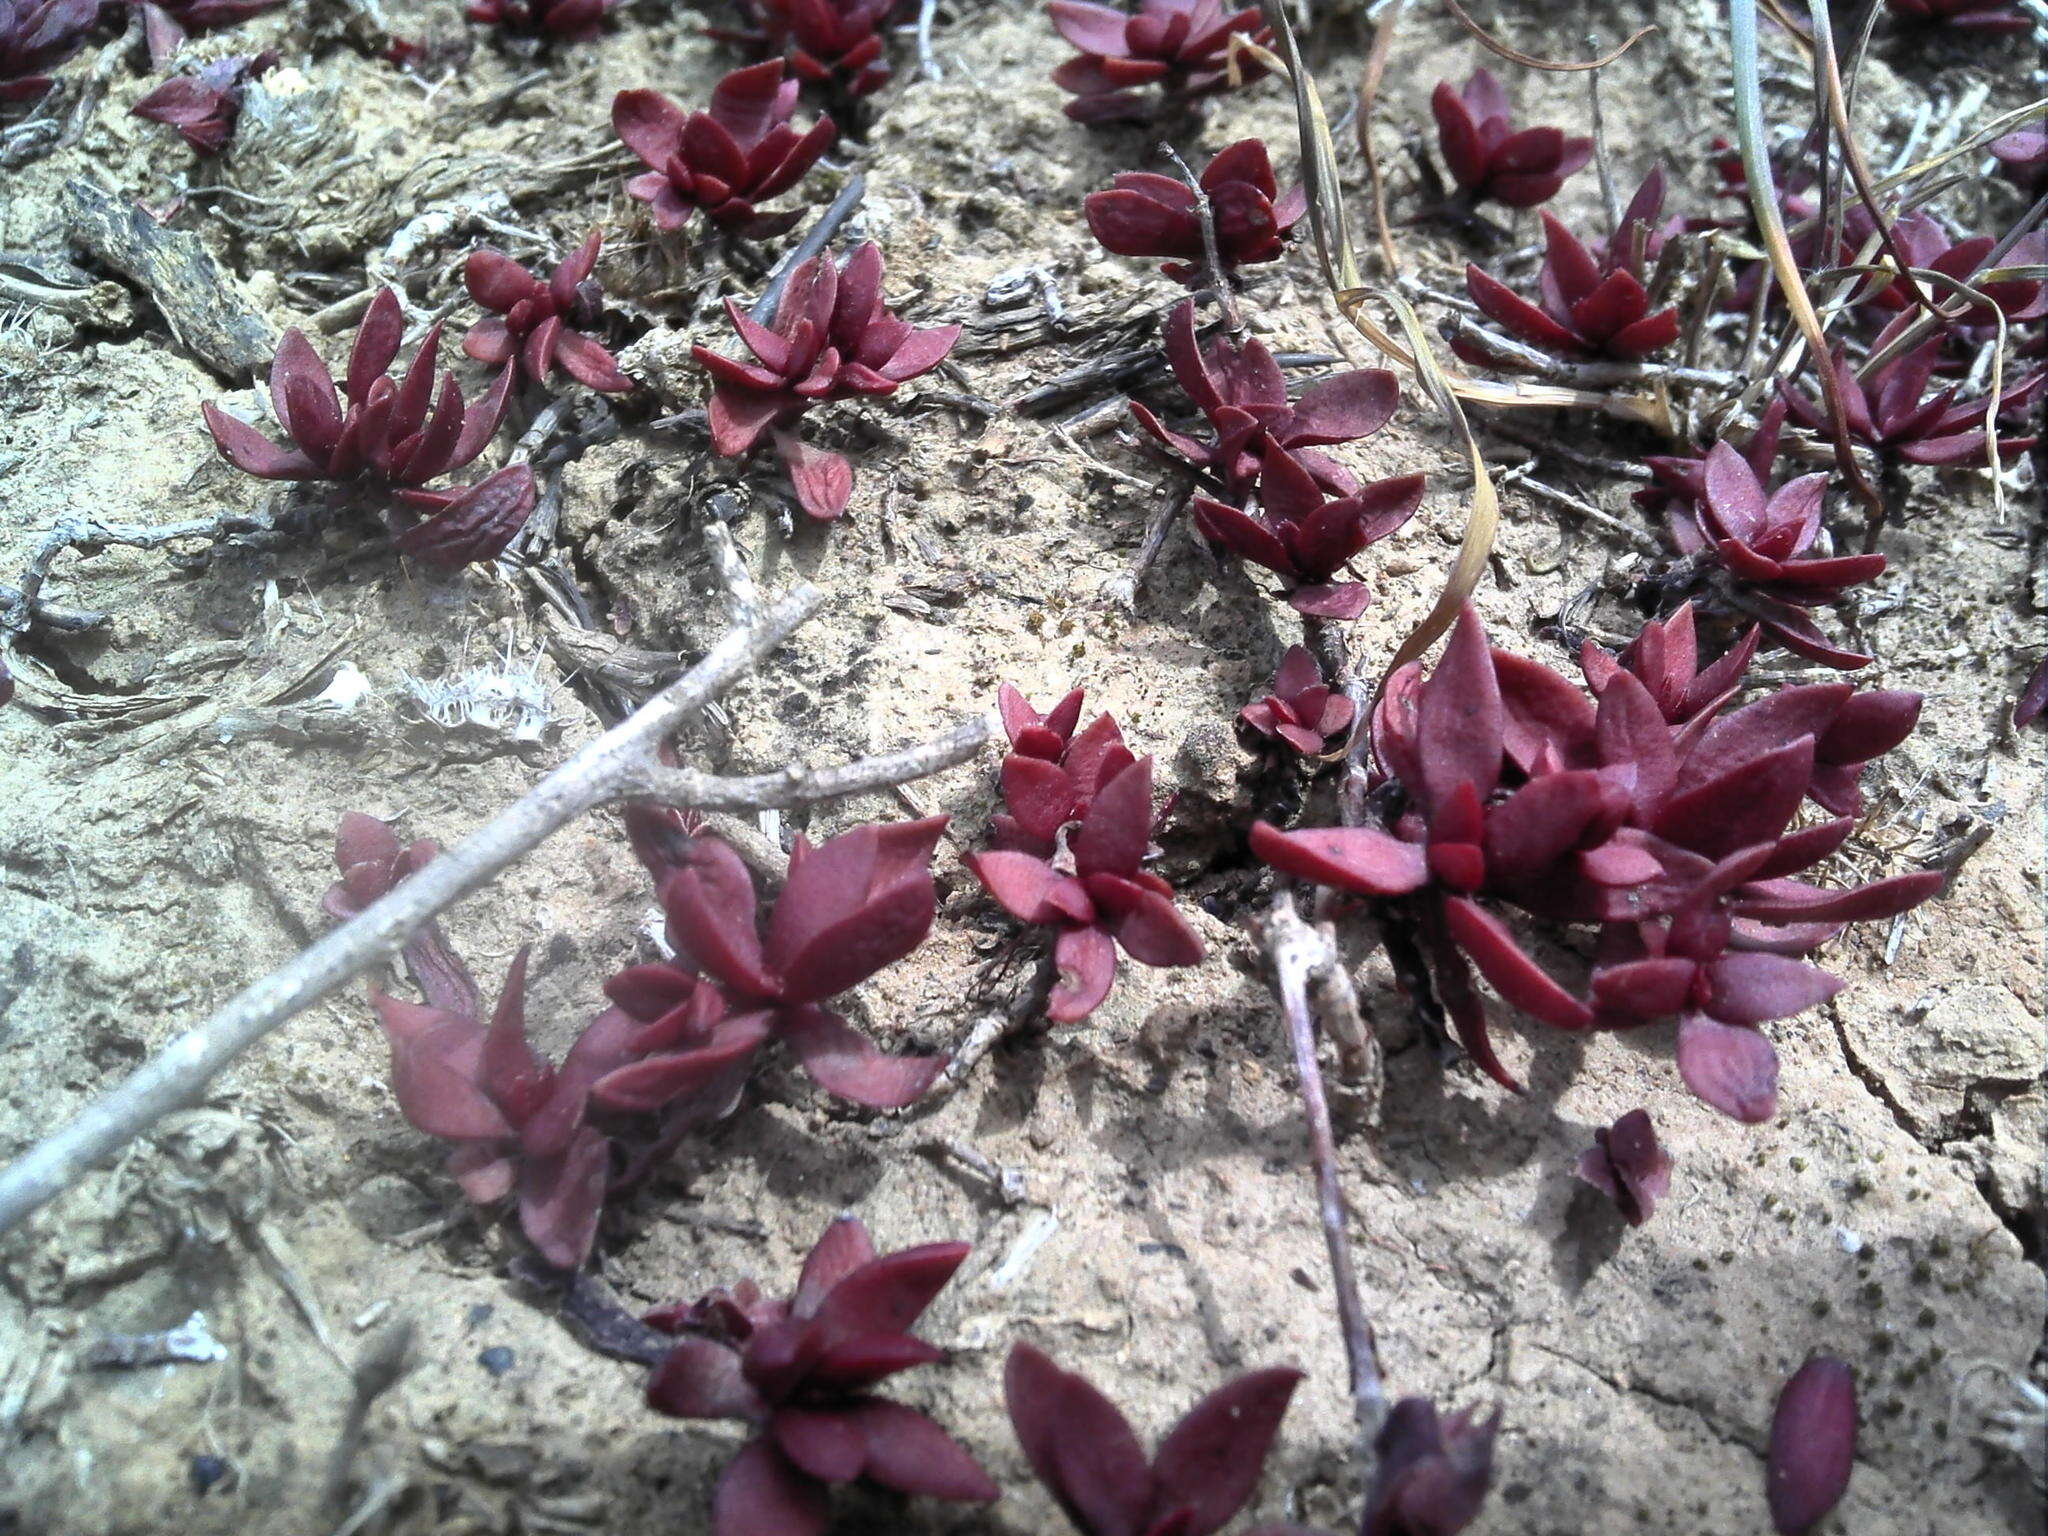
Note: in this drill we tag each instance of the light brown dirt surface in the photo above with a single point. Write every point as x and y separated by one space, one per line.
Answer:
173 780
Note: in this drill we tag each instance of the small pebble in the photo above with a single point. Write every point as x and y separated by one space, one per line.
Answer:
497 1359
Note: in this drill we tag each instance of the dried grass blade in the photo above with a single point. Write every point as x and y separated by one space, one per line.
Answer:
1555 66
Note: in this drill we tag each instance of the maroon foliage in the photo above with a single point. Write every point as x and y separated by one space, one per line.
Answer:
1593 305
573 21
1675 839
203 105
388 437
1182 46
542 323
1488 159
833 43
1628 1165
833 338
1243 395
1144 214
1664 657
1306 538
1924 243
372 862
1813 1445
1088 1457
1092 889
167 23
1992 17
2023 156
1302 711
1887 411
852 905
802 1372
2033 699
35 37
726 161
1433 1471
1051 774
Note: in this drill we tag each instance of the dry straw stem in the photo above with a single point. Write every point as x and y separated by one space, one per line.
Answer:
1555 66
620 765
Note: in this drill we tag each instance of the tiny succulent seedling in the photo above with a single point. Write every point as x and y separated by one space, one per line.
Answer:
837 44
1488 158
1053 770
1434 1470
1812 1446
570 21
35 37
724 162
1593 304
1307 538
204 105
167 23
1676 841
1242 394
542 324
851 905
1302 711
1149 215
802 1373
1090 1460
388 437
1628 1165
1996 18
1891 412
1181 46
833 338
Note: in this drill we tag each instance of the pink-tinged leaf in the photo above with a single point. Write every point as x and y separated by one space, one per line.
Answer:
761 1493
1127 221
1527 833
1755 729
436 1071
1641 990
889 1294
1079 1446
1363 860
1097 29
1869 725
589 364
1732 1068
710 907
822 480
496 281
1629 1166
1502 305
484 1176
1458 136
1345 407
844 1062
1630 733
858 1363
1519 980
741 417
843 1248
1041 795
1747 805
561 1198
700 1379
1538 707
1790 901
649 124
703 1074
1086 960
649 991
1030 889
852 905
253 453
1433 1474
908 1452
1569 270
1459 718
923 351
1117 828
1340 602
1244 161
1805 848
1754 989
1812 1446
513 1074
478 525
376 347
1210 1463
1144 921
825 1443
1617 303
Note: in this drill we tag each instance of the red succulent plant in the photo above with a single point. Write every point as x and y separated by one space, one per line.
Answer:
1181 46
1149 215
833 43
1090 1460
203 105
1434 1470
541 323
389 437
726 161
35 37
1303 710
803 1371
1890 411
832 338
1309 539
1052 773
572 21
167 23
1488 158
1095 893
1592 304
1812 1446
1664 657
1676 841
1997 18
2022 155
1242 394
851 905
1627 1164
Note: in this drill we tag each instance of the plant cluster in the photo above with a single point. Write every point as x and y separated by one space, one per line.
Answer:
1303 712
1675 840
1153 216
1491 160
35 37
833 337
1628 1165
542 324
836 44
1184 47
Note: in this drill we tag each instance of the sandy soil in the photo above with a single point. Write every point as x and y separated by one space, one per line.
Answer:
171 795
